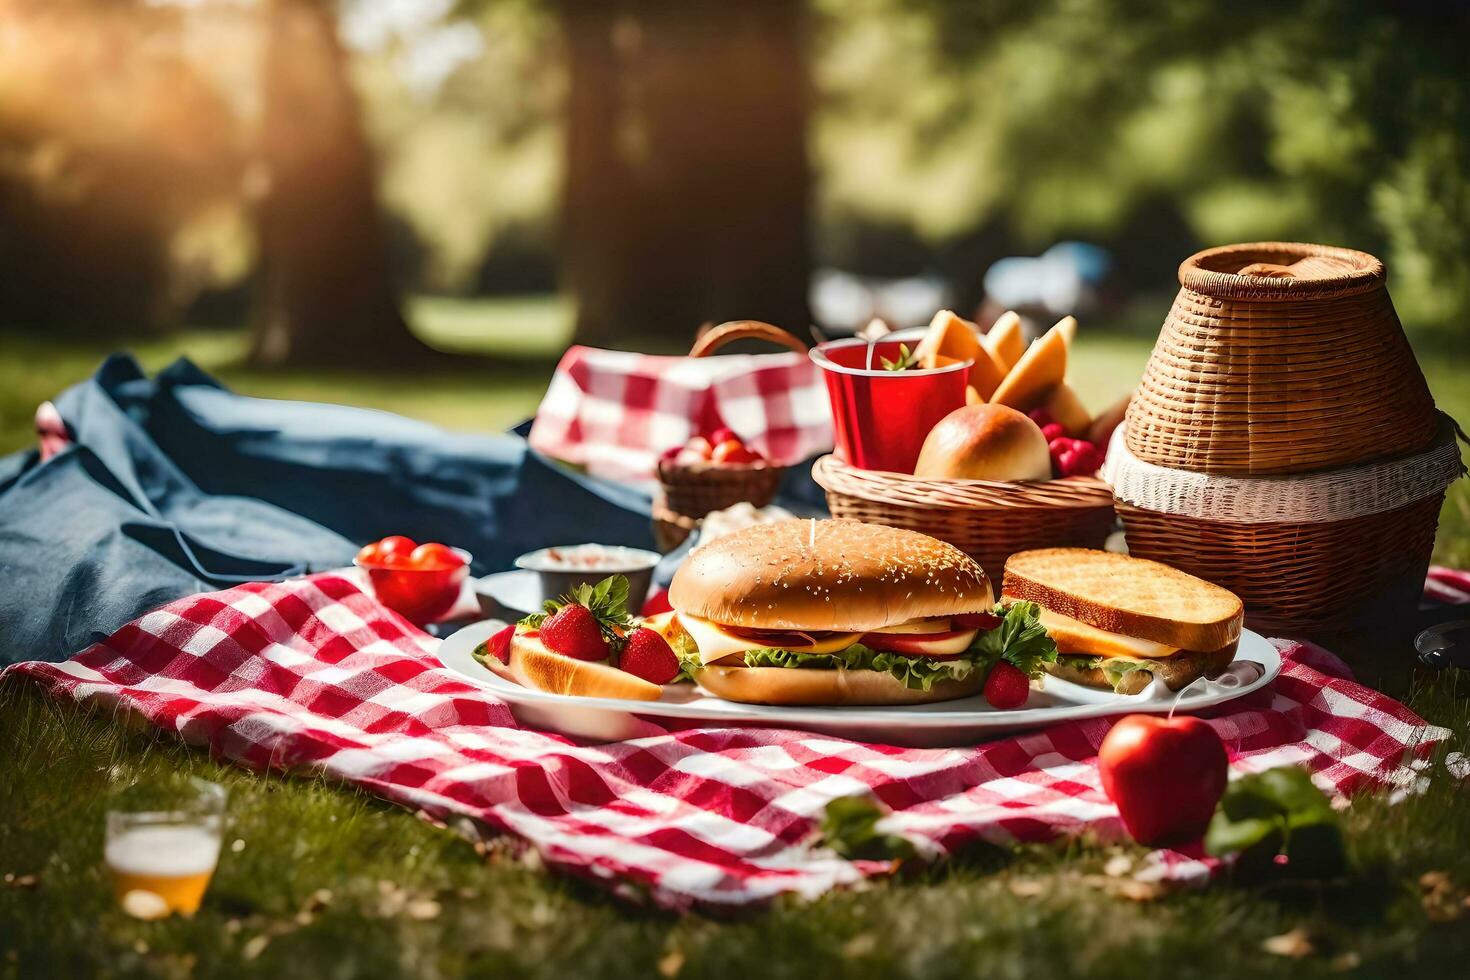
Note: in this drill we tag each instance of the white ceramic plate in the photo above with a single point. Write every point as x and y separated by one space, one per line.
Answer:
961 722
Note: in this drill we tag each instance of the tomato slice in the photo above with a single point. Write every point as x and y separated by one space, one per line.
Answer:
950 644
977 621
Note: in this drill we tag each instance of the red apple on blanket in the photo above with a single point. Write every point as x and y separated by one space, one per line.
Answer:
1166 776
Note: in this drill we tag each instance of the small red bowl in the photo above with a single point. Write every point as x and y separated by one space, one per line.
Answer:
422 595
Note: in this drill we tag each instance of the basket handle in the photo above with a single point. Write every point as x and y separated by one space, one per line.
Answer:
716 337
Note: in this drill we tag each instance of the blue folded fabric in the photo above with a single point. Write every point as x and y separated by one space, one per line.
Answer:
175 485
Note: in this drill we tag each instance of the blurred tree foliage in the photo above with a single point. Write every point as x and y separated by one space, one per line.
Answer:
1343 121
941 133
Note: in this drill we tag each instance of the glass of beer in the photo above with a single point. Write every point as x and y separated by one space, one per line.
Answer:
163 844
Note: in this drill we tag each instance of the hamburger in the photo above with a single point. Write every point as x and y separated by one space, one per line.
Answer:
1119 622
834 612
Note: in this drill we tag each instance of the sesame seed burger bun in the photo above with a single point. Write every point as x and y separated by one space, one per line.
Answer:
827 575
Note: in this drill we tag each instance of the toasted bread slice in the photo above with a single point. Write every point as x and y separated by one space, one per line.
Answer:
534 666
1126 595
1177 671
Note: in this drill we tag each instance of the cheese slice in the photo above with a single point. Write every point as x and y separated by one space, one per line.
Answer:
715 642
1076 637
940 625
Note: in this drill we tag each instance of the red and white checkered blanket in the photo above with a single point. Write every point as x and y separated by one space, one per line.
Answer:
614 412
314 675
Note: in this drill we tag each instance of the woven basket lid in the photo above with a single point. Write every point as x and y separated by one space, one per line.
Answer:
1277 358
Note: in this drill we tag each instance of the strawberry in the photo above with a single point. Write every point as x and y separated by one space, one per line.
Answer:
573 630
498 646
656 603
1006 686
1075 457
588 624
646 654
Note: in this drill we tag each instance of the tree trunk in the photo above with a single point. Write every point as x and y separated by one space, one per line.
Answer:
687 177
325 292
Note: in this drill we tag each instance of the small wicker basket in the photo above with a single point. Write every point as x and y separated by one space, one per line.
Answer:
1279 357
691 491
988 521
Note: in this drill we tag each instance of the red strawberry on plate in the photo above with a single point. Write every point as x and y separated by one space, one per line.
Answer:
498 646
1006 686
646 654
574 632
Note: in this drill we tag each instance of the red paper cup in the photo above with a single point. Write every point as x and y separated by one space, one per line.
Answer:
880 418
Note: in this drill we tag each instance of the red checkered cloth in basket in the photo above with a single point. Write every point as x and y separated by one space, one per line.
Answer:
314 675
614 412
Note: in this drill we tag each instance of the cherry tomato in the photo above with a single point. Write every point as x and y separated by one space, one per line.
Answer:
397 559
435 555
396 544
370 554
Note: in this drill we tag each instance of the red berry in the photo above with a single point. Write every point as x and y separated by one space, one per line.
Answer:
573 631
1053 430
723 434
499 645
1041 417
656 603
1006 686
647 655
1086 460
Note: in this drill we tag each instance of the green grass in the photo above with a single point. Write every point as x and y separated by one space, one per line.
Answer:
410 899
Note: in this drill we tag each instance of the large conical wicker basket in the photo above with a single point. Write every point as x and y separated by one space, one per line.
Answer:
1280 357
1283 442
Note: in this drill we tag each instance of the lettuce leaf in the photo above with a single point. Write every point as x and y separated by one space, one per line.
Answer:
1116 669
915 673
1020 640
1113 668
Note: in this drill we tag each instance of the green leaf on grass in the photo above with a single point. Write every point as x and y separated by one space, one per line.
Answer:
850 828
1279 811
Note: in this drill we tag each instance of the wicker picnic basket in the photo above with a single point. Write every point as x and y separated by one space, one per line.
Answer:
1280 357
691 491
988 521
1283 442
